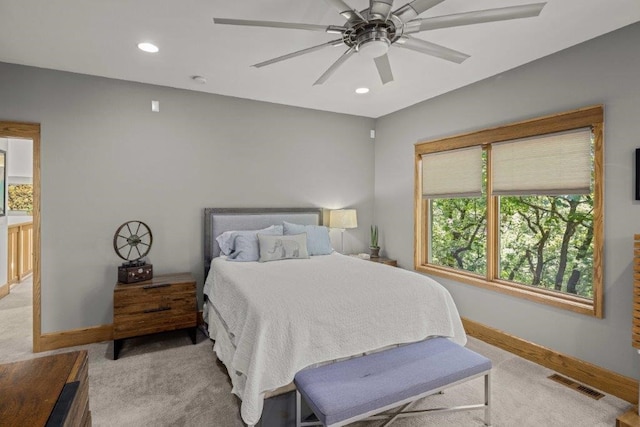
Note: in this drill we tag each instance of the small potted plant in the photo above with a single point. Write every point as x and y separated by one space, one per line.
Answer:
373 246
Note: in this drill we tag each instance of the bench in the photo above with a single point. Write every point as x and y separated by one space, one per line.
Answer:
359 388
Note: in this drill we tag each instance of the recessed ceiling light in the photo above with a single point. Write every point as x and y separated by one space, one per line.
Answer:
362 90
148 47
199 79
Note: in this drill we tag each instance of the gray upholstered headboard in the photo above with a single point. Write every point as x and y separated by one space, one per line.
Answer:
219 220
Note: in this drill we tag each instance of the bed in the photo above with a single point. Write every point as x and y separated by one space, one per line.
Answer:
271 319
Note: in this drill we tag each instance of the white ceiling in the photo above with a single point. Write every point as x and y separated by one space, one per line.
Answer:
99 37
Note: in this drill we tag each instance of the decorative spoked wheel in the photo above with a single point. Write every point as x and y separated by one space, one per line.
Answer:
132 240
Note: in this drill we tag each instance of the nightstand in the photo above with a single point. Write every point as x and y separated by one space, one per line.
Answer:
165 303
387 261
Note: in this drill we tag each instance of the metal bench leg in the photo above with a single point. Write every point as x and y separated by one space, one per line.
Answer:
395 415
487 399
298 409
299 422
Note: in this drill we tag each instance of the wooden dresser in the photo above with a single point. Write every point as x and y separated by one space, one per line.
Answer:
632 417
165 303
47 391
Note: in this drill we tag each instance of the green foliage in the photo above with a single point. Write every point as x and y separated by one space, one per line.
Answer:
545 241
458 233
374 236
20 197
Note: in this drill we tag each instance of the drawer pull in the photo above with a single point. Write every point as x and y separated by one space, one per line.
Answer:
155 310
156 285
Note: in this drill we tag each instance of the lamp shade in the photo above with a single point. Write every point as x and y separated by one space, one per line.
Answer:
343 218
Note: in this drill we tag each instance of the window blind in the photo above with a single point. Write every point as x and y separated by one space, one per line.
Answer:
455 173
552 164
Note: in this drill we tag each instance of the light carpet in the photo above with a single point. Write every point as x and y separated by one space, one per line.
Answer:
164 380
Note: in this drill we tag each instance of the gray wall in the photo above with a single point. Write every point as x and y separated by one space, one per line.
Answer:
20 164
604 70
106 159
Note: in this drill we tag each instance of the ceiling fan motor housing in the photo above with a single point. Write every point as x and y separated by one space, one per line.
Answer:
371 38
373 43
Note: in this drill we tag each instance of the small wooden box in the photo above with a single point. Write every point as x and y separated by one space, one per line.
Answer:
135 274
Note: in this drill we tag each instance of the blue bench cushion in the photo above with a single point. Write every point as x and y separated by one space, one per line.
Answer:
346 389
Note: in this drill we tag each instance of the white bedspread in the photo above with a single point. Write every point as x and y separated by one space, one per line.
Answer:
283 316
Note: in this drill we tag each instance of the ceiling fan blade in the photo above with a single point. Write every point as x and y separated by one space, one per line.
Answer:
345 10
432 49
380 9
298 53
273 24
411 10
325 76
475 17
384 68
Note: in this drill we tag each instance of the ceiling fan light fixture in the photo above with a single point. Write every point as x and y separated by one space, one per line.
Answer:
373 48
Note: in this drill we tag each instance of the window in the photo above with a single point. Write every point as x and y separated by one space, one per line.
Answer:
517 209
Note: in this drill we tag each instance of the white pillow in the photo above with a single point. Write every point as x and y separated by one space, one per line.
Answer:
226 240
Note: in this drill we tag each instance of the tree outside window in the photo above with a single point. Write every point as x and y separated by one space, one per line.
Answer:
547 242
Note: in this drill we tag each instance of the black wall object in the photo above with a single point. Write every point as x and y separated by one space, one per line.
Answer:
637 173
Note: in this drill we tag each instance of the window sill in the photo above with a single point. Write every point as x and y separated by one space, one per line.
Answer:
563 301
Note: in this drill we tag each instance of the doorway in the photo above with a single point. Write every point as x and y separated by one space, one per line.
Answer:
25 132
18 194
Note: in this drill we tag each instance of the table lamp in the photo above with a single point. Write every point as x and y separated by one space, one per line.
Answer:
343 219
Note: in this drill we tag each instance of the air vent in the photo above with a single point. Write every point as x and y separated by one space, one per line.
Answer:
577 387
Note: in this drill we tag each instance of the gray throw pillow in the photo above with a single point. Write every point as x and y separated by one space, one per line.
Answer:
274 248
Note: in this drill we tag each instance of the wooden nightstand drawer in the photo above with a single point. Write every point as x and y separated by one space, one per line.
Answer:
164 303
149 323
146 299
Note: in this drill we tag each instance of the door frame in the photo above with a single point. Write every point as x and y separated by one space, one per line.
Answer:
21 130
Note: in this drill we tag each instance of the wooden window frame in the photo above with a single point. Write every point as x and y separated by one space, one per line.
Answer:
592 117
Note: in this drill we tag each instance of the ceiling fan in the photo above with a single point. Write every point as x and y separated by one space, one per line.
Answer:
372 31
